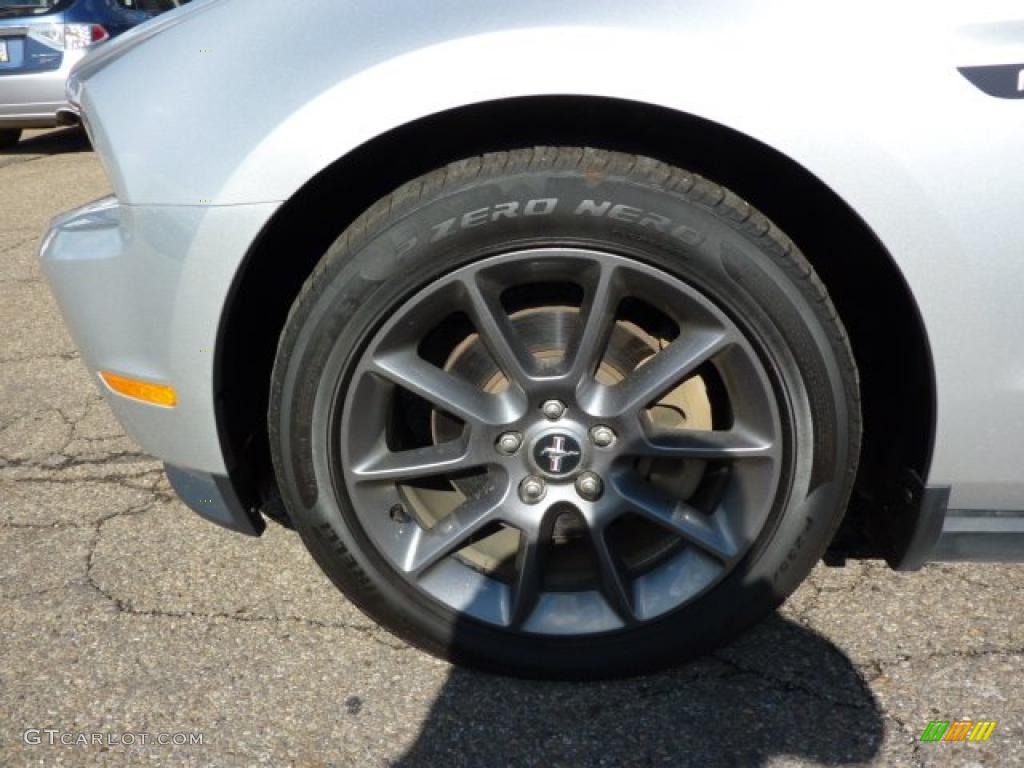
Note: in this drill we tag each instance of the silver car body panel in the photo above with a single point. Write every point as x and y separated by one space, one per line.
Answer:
141 288
867 98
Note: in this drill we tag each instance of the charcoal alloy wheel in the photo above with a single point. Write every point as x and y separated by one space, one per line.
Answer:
674 508
554 447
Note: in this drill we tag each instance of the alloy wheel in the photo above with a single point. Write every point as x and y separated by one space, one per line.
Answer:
560 442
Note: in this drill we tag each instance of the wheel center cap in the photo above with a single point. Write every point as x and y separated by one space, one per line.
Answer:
557 454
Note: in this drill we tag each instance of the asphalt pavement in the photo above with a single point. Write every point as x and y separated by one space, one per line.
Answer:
122 614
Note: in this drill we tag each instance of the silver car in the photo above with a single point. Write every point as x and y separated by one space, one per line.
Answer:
568 336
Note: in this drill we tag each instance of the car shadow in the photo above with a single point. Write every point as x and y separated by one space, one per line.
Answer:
780 692
56 142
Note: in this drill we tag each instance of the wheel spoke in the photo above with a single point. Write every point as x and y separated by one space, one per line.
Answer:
734 443
676 516
442 389
497 332
597 319
533 547
427 547
667 369
428 461
614 585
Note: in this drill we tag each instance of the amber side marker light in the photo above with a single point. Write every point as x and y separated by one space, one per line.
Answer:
146 391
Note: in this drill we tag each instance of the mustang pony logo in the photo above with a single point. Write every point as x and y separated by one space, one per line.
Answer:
557 453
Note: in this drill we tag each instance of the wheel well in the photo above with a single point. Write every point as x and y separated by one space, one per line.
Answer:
887 334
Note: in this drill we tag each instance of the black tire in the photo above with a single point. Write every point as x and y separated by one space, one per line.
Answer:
713 240
9 137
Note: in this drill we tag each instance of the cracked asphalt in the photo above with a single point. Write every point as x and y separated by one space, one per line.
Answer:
122 612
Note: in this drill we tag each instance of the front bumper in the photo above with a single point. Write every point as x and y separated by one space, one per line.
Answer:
142 289
37 99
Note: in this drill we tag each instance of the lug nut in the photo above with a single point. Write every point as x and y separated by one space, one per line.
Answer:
589 486
602 436
398 514
553 409
509 443
532 490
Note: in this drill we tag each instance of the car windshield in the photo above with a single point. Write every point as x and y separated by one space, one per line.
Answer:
12 8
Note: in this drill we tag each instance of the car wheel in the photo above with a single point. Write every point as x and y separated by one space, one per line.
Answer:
564 412
9 137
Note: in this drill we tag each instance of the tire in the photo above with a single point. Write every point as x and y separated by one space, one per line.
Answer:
9 137
732 520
